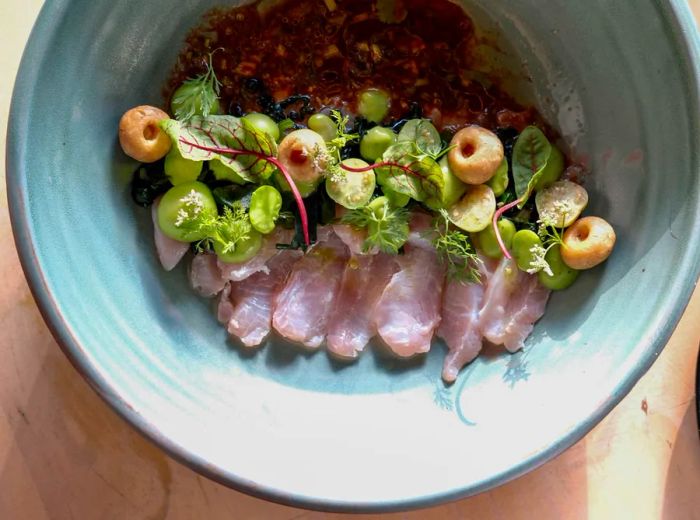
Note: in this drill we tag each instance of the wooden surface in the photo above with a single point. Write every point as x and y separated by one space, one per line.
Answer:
64 454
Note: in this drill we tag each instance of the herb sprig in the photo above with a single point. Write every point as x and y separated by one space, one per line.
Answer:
227 230
456 250
197 96
387 227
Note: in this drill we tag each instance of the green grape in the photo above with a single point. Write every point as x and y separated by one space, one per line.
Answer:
375 142
324 126
180 170
224 173
373 104
192 198
488 242
562 277
264 124
397 200
523 243
453 191
244 251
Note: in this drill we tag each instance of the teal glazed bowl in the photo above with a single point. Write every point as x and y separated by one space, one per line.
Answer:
618 80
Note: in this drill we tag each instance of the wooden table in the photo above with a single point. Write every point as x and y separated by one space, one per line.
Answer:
64 454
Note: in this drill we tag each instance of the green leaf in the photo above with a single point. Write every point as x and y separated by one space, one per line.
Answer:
197 96
224 132
410 172
387 227
530 155
424 134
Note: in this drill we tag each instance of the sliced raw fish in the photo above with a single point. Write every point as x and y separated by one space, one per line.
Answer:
304 305
353 238
352 322
513 302
461 302
408 312
205 276
170 251
224 310
239 272
250 318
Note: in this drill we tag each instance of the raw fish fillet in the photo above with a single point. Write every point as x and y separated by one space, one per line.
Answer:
408 312
205 276
459 327
303 307
513 302
257 264
250 318
352 323
170 251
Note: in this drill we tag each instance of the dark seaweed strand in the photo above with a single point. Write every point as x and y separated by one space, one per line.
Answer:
148 182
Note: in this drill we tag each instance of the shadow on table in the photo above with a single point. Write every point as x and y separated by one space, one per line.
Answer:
681 500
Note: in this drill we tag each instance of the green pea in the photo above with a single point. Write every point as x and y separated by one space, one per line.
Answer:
397 200
523 243
184 93
488 243
373 104
352 190
499 181
190 198
453 191
473 212
263 123
223 172
562 275
323 126
375 142
180 170
244 251
552 171
265 205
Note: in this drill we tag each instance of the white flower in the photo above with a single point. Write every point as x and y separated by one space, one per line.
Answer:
182 216
538 262
555 215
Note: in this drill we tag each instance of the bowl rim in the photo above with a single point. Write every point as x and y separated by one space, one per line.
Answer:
681 23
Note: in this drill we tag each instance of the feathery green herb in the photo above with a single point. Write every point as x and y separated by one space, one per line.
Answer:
387 227
197 96
456 250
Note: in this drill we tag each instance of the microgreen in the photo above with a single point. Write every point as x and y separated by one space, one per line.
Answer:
228 229
455 250
197 96
530 155
238 145
387 227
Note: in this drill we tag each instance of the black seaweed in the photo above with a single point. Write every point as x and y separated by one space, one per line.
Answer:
148 183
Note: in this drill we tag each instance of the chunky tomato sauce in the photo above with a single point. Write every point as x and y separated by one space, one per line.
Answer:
330 50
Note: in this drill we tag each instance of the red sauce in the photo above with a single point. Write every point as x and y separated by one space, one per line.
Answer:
302 47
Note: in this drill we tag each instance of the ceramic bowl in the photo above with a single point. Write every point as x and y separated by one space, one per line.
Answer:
619 80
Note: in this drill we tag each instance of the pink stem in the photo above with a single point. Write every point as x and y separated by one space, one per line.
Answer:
494 222
385 164
272 160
